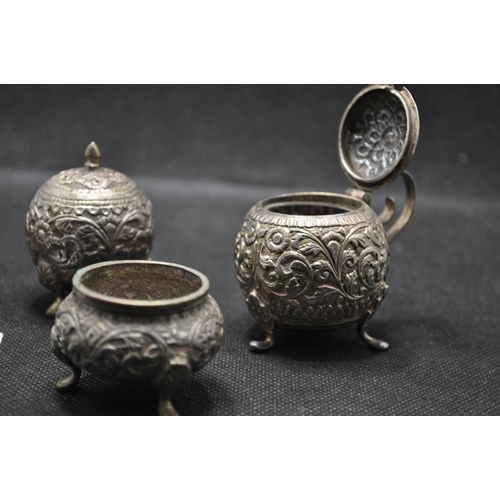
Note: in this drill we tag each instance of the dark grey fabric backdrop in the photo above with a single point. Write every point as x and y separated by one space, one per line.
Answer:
204 155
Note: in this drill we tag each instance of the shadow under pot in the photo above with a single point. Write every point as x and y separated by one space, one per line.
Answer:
135 320
320 260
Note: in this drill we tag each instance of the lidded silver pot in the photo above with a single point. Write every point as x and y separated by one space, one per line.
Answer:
320 260
83 216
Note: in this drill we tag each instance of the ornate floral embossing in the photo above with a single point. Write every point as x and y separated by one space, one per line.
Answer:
65 235
130 347
378 136
277 239
79 179
326 275
250 232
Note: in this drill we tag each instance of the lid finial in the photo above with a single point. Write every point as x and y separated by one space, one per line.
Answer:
93 156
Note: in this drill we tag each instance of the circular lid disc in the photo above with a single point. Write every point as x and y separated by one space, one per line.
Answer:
378 135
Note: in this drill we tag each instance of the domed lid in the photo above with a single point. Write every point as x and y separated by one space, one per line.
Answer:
378 135
90 182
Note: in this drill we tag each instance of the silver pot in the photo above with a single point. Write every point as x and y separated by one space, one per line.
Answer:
320 260
86 215
138 320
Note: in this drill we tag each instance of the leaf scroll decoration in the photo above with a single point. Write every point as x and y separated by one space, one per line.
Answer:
133 347
64 237
323 275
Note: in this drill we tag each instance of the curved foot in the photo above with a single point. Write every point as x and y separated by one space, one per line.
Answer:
51 311
262 345
174 379
68 383
166 409
379 345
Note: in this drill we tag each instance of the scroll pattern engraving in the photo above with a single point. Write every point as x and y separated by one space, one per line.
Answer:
130 347
319 276
64 236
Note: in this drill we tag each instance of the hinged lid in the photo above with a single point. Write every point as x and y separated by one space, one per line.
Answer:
378 135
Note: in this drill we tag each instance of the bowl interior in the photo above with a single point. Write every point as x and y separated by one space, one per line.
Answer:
300 208
311 204
139 281
140 285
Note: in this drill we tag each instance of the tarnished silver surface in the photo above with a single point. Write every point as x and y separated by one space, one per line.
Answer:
320 260
86 215
161 328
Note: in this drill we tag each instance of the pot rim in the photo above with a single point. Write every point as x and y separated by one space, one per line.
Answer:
338 200
133 306
354 210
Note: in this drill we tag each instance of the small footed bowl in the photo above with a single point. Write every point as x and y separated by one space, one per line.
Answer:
137 320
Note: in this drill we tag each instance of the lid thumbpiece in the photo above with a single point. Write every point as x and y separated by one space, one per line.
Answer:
378 135
93 156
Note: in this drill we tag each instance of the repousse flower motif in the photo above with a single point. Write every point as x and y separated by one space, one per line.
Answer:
250 231
42 231
277 239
